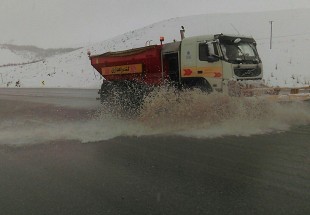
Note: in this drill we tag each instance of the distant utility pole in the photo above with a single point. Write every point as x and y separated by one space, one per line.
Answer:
270 34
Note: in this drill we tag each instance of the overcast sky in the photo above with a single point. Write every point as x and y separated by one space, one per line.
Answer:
67 23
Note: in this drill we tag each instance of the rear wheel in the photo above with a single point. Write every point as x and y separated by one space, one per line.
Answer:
105 90
123 96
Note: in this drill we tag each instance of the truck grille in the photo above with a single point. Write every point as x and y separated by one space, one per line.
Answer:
247 72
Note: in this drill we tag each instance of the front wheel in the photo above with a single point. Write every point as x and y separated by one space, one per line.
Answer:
197 83
203 85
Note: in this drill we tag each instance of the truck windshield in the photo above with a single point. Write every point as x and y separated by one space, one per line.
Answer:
241 52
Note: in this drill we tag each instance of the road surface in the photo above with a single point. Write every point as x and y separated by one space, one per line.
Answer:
45 169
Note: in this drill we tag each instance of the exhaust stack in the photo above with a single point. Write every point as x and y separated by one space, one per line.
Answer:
182 32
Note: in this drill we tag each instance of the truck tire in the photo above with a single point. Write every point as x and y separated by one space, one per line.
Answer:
197 83
124 96
105 91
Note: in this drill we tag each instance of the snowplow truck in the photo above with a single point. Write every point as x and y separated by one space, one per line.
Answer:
210 63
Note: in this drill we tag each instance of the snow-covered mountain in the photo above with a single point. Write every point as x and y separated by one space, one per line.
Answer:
16 54
286 64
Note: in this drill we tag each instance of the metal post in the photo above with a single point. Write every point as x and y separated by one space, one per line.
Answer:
270 34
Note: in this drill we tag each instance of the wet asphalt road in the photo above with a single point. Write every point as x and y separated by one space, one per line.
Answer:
260 174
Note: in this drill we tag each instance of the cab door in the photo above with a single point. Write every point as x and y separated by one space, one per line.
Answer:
209 65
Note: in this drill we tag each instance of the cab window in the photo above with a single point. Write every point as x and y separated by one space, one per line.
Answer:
204 51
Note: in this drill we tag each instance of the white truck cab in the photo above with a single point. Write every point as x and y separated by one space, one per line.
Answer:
219 59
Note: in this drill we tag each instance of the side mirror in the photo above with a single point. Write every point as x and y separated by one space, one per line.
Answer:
211 48
212 56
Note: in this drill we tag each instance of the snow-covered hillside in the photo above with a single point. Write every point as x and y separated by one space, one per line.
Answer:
286 64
